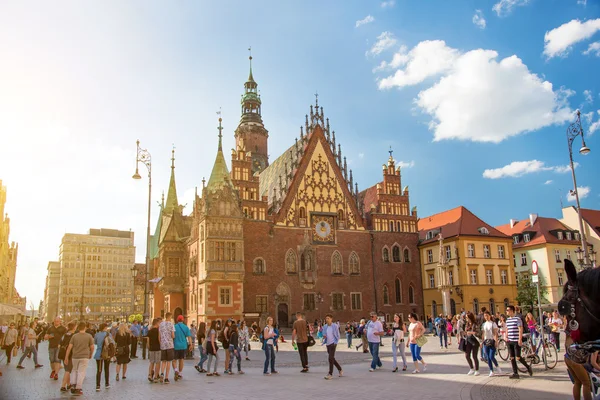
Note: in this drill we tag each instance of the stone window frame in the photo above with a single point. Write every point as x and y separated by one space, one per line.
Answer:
395 247
411 293
266 304
386 295
333 303
398 290
354 270
406 255
221 304
337 256
288 255
385 251
255 270
352 294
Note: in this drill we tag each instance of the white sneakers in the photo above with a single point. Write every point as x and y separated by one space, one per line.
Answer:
499 371
476 373
492 373
471 372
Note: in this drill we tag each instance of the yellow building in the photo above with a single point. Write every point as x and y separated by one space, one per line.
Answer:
51 291
8 259
465 263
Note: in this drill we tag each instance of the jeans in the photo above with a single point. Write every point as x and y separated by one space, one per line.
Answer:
78 372
29 350
514 351
349 339
144 346
303 351
556 336
473 350
235 352
269 358
203 357
415 352
210 358
400 347
444 334
332 361
133 346
99 364
374 349
490 356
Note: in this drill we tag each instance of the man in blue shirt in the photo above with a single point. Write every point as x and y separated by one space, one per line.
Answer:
181 343
135 333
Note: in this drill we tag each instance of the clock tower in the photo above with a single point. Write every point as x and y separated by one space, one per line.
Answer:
251 135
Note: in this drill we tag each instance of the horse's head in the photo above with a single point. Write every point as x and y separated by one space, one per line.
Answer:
581 303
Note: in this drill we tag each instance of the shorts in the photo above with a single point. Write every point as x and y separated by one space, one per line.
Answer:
68 367
167 355
154 356
180 354
53 355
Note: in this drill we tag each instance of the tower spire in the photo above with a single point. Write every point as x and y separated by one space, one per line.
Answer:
220 128
250 77
172 203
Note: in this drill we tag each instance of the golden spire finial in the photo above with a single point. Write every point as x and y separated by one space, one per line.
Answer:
220 128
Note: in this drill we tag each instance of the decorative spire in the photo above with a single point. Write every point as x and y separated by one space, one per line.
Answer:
172 204
351 182
219 177
346 169
327 131
220 128
333 142
250 77
339 154
391 159
317 100
251 102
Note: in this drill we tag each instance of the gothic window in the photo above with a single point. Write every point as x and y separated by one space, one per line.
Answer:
386 295
396 253
411 294
386 255
306 261
398 285
406 255
302 212
336 263
354 264
290 262
258 266
341 215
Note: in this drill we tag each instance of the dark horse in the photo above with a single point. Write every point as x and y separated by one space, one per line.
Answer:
581 303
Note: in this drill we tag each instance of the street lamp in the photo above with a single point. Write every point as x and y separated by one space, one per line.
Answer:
143 156
134 273
573 131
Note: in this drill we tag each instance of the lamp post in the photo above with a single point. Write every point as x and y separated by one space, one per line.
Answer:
573 131
134 273
143 156
82 286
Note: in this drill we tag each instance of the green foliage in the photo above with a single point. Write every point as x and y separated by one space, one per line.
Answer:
135 317
527 293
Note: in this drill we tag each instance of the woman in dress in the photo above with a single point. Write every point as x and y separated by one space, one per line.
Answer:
212 348
269 347
244 335
416 330
123 340
399 331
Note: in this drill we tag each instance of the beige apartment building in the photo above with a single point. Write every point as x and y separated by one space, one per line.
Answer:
96 280
51 291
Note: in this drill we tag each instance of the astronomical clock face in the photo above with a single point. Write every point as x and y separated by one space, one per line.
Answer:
323 231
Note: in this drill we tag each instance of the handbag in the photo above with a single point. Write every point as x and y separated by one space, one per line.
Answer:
120 351
462 344
491 343
249 348
311 341
472 340
421 341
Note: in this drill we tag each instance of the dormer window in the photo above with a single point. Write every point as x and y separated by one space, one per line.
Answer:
560 235
429 235
516 239
484 231
577 235
526 238
568 235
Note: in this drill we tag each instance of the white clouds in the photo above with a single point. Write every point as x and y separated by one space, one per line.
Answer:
582 2
388 4
587 94
558 41
583 192
361 155
595 126
405 164
548 182
593 49
427 59
384 41
517 169
504 7
479 20
366 20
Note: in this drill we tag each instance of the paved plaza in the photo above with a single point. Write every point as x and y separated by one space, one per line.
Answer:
445 379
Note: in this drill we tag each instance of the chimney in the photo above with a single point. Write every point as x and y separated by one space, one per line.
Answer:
512 223
532 219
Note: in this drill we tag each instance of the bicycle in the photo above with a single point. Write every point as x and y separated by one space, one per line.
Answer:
591 347
531 353
502 349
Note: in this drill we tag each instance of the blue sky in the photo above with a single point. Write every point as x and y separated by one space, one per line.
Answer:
454 97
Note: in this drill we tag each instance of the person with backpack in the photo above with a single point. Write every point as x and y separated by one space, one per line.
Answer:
442 330
268 337
182 342
235 350
68 364
105 351
123 341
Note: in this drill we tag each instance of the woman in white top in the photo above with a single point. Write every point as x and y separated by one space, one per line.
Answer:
269 347
416 330
556 323
490 339
399 329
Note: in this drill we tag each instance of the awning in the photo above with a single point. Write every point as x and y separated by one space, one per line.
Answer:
6 309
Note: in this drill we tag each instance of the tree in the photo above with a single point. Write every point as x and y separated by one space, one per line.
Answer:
527 292
135 317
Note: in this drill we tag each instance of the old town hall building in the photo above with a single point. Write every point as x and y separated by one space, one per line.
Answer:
292 234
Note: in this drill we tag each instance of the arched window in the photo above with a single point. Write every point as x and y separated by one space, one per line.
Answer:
290 262
452 307
306 261
386 295
476 306
406 255
492 306
396 253
302 212
341 215
391 226
258 266
434 308
336 263
411 294
354 263
386 255
398 286
506 303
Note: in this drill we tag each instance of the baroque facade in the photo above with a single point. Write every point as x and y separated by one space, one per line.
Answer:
292 234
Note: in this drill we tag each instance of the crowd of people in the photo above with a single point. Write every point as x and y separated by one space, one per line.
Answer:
167 343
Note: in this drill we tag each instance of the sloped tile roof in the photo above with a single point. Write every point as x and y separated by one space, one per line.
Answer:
540 231
592 217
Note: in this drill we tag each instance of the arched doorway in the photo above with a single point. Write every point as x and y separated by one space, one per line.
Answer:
177 313
283 315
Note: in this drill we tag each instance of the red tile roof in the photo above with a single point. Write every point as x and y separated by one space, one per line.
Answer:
458 221
592 217
540 232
